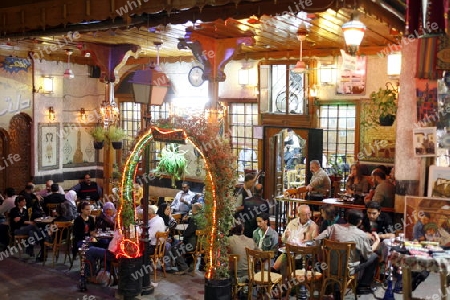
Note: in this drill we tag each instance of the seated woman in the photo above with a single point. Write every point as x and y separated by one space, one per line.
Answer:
84 227
356 182
69 207
105 222
329 216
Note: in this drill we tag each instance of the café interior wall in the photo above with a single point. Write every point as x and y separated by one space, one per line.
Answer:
376 77
68 97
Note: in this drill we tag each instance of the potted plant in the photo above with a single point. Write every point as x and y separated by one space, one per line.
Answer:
99 135
386 101
116 135
172 162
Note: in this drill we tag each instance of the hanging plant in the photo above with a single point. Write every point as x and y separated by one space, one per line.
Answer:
172 162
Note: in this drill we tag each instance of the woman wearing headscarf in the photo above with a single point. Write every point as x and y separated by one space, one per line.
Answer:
69 207
107 218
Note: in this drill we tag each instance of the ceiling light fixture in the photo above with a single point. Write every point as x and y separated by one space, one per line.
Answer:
353 33
300 67
68 73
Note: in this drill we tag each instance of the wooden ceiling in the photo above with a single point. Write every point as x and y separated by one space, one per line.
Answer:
273 24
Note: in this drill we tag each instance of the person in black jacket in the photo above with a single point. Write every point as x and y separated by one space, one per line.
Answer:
20 224
377 221
83 226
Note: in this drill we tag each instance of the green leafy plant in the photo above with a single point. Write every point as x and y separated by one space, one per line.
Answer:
172 162
386 101
116 134
98 133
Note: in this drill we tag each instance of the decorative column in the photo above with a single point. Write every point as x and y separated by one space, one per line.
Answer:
407 167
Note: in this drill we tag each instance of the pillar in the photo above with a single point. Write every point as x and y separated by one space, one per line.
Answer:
407 167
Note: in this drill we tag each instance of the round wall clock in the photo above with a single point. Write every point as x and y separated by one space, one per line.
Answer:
195 76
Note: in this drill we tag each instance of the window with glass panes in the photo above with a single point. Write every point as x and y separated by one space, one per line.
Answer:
130 118
243 117
339 124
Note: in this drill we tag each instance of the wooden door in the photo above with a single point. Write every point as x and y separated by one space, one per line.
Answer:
4 150
18 171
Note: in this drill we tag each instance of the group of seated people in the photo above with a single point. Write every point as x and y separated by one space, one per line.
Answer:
370 230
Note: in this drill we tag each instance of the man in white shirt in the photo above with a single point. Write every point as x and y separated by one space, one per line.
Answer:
183 200
155 224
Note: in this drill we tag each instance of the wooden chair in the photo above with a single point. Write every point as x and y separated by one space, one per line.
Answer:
307 276
51 207
260 276
61 238
337 256
200 245
236 285
158 256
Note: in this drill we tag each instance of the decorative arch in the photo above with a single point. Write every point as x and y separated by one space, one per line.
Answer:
216 152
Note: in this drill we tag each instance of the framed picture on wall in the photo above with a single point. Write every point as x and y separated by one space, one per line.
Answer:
424 139
427 219
78 146
48 145
439 182
351 75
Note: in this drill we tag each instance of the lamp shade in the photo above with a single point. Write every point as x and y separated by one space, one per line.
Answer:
150 86
353 34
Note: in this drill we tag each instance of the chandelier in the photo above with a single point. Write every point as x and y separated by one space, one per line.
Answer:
109 113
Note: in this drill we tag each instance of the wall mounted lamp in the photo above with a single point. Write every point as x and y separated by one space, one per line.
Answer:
353 34
51 114
82 114
394 65
46 86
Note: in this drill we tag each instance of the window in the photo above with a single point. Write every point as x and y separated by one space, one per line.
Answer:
130 118
243 117
282 90
339 124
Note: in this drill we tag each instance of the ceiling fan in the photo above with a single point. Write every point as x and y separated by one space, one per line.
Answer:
300 67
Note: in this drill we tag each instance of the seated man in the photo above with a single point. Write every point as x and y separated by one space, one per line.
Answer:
377 221
320 182
186 264
54 198
298 231
362 259
385 191
183 200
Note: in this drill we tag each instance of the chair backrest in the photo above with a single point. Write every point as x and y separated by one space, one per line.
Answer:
233 265
298 193
259 261
161 238
201 241
63 233
309 256
337 256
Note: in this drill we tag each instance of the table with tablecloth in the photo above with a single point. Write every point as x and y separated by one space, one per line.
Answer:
409 263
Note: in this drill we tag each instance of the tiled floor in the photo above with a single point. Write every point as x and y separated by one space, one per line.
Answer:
23 279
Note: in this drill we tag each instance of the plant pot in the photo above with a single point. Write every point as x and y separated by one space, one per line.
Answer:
98 145
130 283
117 145
218 289
387 120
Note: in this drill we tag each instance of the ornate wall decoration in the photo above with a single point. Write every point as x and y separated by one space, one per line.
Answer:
48 146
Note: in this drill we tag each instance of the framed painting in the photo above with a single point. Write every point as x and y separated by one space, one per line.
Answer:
439 182
78 145
48 145
351 75
425 142
427 219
